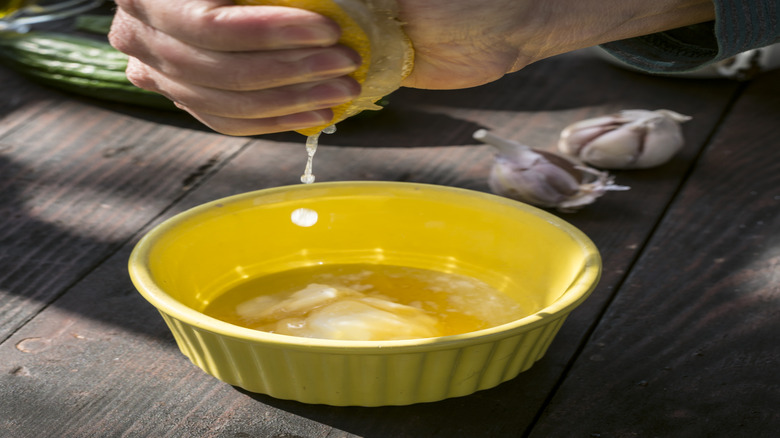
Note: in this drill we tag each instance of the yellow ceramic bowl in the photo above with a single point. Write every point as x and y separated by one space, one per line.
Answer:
534 257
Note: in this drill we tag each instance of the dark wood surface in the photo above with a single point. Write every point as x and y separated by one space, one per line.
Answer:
680 339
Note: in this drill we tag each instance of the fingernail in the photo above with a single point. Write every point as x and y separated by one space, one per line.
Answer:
333 62
305 120
310 35
334 92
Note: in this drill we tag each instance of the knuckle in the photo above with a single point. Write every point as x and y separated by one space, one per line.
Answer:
140 76
122 35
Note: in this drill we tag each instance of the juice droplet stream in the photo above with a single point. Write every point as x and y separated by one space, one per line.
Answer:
311 148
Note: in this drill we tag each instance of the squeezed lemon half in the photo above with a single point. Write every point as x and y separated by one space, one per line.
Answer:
370 28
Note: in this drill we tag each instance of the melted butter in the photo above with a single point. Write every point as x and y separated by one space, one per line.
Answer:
364 302
312 142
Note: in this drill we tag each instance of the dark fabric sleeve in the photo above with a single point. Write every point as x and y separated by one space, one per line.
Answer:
739 25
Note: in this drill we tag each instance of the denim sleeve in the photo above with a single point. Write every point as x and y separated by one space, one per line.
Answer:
739 25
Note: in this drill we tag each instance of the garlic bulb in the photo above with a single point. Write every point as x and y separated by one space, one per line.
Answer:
543 178
629 139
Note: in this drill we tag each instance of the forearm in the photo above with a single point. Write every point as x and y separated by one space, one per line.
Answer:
564 26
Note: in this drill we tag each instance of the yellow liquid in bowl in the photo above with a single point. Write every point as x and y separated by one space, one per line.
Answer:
365 302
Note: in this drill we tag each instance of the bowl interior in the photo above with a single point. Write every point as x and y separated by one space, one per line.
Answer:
532 256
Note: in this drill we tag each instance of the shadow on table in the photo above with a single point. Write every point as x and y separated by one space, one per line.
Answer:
43 260
395 126
467 416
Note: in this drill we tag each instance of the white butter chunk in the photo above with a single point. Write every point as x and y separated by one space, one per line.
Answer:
321 311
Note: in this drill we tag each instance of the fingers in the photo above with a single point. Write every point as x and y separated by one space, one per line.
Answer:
240 70
268 102
233 69
246 70
255 111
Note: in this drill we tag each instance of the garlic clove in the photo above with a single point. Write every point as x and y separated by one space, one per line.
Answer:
613 149
546 186
629 139
542 178
663 140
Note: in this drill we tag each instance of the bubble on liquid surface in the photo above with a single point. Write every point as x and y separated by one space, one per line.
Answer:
304 217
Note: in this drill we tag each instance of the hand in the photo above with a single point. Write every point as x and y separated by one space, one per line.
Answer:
464 43
461 44
246 70
241 70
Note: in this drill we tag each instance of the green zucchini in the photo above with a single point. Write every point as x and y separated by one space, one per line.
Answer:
75 64
97 24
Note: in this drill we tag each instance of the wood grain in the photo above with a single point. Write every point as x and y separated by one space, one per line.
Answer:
99 361
76 181
692 334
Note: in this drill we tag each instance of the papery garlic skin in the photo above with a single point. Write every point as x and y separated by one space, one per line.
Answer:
629 139
530 178
542 178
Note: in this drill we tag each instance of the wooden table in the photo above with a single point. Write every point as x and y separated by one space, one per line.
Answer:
680 339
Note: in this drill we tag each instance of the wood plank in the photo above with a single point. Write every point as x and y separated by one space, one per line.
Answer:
690 345
423 137
76 181
20 101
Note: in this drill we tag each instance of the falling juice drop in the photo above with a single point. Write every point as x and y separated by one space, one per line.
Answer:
311 148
